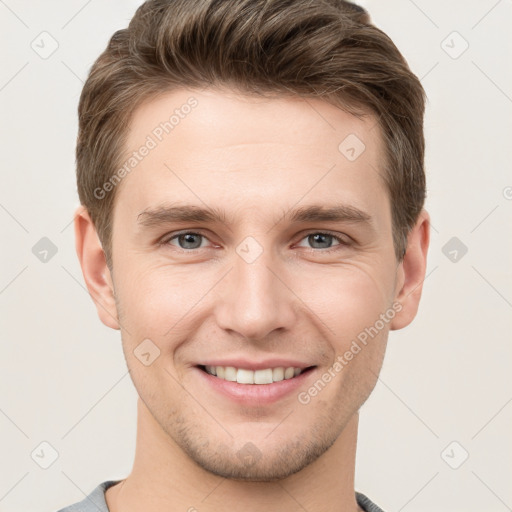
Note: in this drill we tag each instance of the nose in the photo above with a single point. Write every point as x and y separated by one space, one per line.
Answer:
255 299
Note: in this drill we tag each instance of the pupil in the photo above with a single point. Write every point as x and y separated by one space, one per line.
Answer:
188 240
320 238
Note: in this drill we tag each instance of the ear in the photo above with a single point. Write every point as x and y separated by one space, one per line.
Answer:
94 268
411 272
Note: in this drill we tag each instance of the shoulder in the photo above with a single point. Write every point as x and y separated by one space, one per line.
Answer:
93 502
366 503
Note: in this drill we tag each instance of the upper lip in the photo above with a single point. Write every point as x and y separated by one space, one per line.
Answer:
256 365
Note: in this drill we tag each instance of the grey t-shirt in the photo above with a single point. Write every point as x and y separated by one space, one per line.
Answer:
95 502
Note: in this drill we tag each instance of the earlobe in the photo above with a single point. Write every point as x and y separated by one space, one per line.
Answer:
411 272
94 268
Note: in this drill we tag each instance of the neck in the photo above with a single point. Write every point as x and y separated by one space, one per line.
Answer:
165 478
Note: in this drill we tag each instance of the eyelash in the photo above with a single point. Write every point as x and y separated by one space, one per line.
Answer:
341 241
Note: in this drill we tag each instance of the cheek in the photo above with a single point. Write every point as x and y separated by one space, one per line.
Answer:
346 299
158 299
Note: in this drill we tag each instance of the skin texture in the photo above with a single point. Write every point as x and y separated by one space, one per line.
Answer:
302 298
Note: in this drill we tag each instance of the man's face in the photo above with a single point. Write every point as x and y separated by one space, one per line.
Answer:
261 288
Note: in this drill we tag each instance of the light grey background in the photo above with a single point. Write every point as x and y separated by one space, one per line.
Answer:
445 378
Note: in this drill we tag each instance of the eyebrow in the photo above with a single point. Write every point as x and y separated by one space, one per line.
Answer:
189 213
186 213
339 213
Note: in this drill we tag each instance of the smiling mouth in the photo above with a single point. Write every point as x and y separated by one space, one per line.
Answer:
258 377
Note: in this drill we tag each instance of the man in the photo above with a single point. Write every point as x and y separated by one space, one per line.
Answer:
252 188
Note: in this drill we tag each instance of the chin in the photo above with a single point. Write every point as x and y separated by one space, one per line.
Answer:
249 464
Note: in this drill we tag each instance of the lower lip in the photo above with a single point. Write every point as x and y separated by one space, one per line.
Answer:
256 394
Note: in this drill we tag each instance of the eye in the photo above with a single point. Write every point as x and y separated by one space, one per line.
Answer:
186 240
321 240
189 241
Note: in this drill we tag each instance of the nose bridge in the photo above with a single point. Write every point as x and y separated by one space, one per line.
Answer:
254 301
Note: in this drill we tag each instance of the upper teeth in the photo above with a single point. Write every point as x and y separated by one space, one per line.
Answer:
242 376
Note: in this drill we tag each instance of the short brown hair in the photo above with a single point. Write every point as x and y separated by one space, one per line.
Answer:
325 49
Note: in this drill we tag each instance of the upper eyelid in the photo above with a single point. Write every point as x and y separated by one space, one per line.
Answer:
340 237
173 234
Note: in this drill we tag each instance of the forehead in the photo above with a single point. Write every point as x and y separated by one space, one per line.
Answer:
250 152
